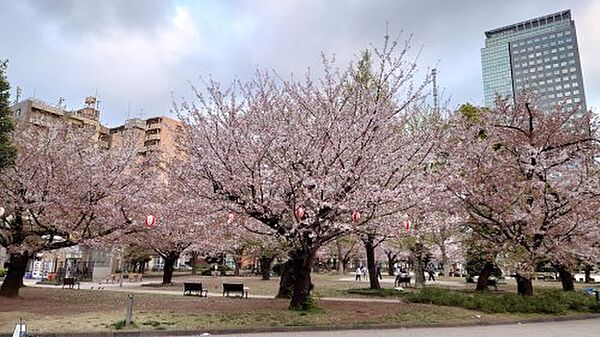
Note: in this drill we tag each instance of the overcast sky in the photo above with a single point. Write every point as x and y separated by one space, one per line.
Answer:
135 53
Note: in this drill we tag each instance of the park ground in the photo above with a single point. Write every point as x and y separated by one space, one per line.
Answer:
101 307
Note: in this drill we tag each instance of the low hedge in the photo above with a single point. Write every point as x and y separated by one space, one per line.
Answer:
3 272
544 301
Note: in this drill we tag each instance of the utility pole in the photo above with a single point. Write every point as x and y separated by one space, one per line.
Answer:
436 106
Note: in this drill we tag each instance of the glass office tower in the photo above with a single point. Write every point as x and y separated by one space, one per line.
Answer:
540 55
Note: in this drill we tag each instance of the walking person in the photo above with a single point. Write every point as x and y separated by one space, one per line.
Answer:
431 272
358 274
379 272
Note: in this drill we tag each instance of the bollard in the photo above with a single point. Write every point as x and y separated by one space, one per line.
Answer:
129 309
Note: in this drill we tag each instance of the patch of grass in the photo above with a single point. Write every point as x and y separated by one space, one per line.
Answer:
120 325
383 292
151 323
544 301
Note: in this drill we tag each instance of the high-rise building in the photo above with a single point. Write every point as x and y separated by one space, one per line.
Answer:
539 55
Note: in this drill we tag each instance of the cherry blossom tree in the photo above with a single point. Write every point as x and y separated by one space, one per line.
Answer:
528 180
184 223
63 190
301 156
344 249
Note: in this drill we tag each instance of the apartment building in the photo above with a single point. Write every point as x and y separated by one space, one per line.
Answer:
37 112
155 134
158 133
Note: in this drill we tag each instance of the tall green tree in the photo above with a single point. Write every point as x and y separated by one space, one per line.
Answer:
7 150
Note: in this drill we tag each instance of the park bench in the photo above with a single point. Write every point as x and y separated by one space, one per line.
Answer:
135 277
189 288
492 283
110 278
235 288
402 279
70 282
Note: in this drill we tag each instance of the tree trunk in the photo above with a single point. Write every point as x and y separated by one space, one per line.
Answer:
340 256
391 259
418 265
588 272
193 262
566 278
14 277
484 276
265 267
237 267
371 267
170 260
286 282
391 263
445 263
524 285
302 260
344 264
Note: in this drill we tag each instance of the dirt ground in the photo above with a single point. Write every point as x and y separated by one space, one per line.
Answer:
68 310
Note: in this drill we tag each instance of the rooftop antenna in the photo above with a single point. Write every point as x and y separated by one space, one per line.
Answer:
436 105
18 95
97 99
129 110
61 102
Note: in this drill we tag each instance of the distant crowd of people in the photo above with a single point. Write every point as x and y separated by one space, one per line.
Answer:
361 272
401 273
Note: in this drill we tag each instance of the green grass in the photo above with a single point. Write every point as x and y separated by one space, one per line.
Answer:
544 301
383 292
120 325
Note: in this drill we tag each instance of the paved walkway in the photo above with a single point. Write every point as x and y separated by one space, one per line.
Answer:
136 288
583 328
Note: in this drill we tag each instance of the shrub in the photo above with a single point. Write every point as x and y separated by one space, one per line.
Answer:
3 272
545 301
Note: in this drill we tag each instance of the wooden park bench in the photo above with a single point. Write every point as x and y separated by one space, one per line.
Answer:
492 283
70 282
235 288
189 288
135 277
402 279
110 278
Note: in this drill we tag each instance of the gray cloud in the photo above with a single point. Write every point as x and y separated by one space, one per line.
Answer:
81 18
135 53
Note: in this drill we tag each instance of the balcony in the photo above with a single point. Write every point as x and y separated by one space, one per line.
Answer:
153 136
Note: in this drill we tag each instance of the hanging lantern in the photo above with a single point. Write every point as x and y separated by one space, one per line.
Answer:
407 225
150 221
2 210
355 216
299 213
230 218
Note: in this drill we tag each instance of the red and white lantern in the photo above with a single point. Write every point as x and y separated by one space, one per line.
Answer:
2 211
230 218
407 225
355 216
150 221
299 213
